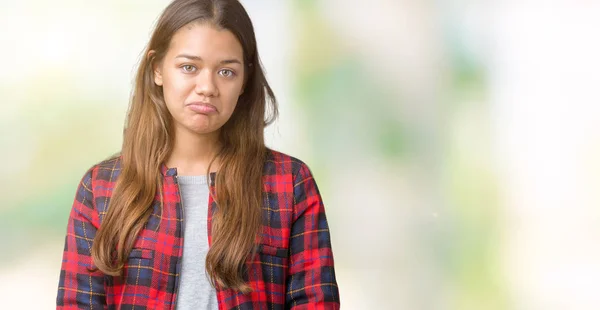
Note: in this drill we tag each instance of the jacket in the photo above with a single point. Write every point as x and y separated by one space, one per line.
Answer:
293 269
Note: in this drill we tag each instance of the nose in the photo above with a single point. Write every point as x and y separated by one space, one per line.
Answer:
205 84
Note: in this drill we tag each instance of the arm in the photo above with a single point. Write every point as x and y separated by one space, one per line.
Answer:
311 282
78 287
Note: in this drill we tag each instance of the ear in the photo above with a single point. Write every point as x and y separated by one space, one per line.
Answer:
156 70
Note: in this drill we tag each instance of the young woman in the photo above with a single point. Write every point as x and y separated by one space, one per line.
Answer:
196 212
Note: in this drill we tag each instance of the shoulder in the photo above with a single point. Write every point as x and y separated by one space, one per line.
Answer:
96 183
281 164
105 171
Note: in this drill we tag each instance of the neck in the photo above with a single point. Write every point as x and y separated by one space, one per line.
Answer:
192 153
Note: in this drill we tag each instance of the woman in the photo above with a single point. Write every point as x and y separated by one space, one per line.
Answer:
196 212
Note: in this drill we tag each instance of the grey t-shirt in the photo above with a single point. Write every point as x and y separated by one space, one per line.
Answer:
195 290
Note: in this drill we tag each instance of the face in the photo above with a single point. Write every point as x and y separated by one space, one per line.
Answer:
202 76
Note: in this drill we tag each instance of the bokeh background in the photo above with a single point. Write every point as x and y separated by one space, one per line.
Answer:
455 142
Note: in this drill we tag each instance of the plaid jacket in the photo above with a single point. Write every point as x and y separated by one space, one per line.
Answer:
293 269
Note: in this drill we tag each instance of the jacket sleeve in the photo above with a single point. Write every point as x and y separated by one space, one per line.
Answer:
311 282
78 287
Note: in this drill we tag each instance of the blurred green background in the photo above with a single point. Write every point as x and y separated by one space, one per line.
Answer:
455 143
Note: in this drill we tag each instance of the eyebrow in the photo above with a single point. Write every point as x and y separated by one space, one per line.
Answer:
198 58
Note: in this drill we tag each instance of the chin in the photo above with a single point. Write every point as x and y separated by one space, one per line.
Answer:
203 130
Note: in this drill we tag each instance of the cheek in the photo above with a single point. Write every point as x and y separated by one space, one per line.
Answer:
232 97
234 91
176 86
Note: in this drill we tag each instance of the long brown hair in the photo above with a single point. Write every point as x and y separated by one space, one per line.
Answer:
148 141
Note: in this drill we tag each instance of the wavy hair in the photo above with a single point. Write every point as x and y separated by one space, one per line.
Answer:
149 138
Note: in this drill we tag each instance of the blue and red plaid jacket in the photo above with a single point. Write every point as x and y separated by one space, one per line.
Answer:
293 268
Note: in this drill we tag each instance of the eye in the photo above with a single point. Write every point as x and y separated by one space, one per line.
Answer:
188 68
226 73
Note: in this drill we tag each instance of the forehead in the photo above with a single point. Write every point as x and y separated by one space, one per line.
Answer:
205 41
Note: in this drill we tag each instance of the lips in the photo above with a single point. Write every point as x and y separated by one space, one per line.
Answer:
202 107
